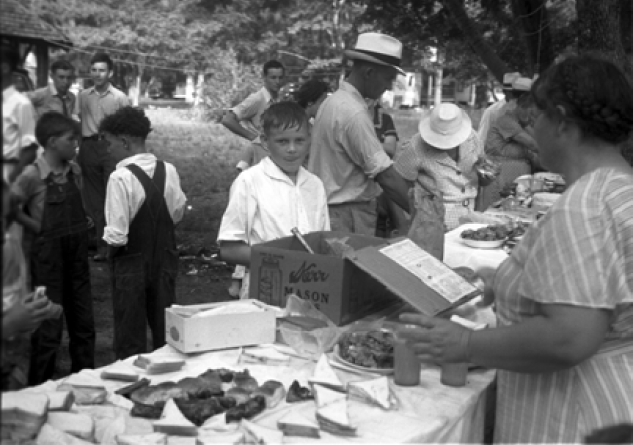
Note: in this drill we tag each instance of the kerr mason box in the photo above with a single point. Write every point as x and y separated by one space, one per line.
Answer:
334 285
366 281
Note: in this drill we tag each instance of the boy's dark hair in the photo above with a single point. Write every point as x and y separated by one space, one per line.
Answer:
127 121
310 92
53 124
273 65
284 115
10 55
61 64
102 58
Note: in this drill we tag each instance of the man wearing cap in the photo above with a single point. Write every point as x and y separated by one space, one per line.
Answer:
346 153
492 113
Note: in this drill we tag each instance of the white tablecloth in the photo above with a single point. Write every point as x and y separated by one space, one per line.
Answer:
429 412
458 254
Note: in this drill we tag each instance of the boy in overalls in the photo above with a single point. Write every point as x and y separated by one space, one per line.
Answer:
56 237
144 202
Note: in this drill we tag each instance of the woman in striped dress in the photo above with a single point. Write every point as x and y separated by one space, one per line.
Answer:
564 298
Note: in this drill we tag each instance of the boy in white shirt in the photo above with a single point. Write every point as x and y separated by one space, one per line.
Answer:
144 202
268 200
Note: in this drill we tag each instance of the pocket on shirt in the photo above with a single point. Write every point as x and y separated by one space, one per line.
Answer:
128 271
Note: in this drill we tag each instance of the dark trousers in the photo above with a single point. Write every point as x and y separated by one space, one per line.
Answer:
61 264
140 299
96 165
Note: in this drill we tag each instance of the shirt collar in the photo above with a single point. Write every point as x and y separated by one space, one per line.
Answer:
351 89
45 168
107 91
273 171
141 159
8 92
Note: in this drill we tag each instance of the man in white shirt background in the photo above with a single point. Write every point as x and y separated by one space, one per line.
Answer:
19 145
346 153
245 119
494 111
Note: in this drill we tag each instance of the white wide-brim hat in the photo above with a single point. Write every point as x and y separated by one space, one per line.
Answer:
522 84
378 48
446 126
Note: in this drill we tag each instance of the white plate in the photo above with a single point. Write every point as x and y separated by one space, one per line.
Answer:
338 358
483 244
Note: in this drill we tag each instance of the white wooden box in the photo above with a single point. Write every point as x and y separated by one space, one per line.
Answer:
218 331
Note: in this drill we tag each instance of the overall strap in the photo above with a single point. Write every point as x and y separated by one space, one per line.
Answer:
143 178
154 187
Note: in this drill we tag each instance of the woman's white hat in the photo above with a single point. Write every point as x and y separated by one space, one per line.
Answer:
445 127
377 48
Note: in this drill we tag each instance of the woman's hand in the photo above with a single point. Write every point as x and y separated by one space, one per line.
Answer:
436 340
487 274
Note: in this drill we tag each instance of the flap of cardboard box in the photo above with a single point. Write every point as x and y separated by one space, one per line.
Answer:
441 289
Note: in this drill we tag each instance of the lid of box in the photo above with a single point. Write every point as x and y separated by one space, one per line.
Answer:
415 276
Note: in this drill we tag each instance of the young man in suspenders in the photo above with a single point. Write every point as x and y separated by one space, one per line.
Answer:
144 202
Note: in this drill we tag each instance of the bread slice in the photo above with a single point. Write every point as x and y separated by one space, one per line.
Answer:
294 424
79 425
142 439
60 400
325 375
375 392
125 375
325 396
49 435
333 418
18 406
261 435
85 395
230 438
173 422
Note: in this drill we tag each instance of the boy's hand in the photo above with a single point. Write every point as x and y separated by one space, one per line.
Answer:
26 315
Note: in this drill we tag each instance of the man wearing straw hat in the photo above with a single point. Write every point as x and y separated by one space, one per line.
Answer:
346 153
494 111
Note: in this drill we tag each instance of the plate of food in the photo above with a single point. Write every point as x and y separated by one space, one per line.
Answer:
369 351
489 237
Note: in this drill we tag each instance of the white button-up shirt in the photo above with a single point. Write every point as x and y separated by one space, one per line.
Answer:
125 196
490 117
249 111
265 205
18 122
346 153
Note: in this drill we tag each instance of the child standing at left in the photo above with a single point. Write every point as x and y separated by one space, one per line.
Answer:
56 239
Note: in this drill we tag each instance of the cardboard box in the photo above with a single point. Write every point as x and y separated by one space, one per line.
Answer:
334 285
366 281
220 331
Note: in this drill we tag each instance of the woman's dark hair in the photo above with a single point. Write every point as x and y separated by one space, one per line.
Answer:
594 93
102 58
128 121
310 92
53 124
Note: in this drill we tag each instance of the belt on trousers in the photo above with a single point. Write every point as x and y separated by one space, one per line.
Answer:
94 137
465 203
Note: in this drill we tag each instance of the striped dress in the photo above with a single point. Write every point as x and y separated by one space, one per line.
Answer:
580 253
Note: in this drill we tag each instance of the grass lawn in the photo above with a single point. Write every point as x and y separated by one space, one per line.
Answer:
205 155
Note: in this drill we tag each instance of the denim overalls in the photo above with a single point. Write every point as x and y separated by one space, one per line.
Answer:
60 262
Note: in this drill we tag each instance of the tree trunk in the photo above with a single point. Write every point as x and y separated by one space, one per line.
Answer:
475 38
199 90
338 6
537 35
189 88
439 74
599 30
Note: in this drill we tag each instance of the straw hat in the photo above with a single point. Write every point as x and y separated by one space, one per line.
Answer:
377 48
522 84
445 127
508 79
